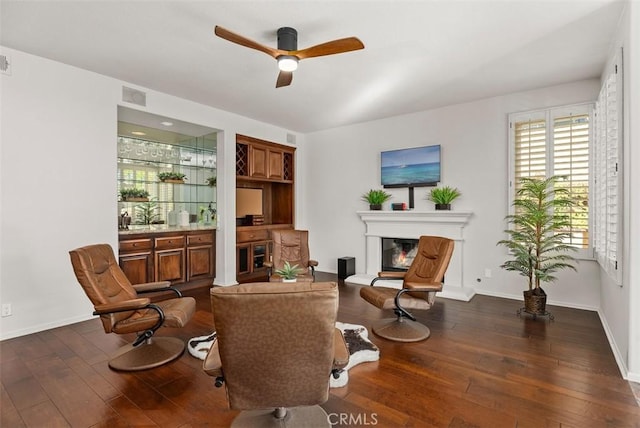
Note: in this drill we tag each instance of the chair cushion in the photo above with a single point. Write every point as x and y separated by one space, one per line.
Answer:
384 298
177 313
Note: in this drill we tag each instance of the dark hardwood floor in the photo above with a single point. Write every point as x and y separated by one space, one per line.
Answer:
483 366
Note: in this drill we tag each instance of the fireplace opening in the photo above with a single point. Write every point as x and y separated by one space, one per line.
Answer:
398 253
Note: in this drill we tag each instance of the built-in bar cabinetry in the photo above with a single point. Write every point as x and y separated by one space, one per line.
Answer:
269 168
183 256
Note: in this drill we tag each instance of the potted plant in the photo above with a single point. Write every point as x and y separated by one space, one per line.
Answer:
538 235
212 181
288 272
376 198
147 212
172 177
443 196
133 194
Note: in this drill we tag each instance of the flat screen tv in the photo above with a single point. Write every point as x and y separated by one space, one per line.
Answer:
412 167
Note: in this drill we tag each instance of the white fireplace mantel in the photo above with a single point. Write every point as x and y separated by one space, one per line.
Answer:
411 225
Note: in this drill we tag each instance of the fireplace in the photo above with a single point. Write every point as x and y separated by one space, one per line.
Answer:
407 226
398 253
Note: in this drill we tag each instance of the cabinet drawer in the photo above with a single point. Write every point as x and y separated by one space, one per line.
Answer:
168 242
253 235
204 238
135 245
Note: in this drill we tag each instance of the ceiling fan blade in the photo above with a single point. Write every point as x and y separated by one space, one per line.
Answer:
284 78
330 48
243 41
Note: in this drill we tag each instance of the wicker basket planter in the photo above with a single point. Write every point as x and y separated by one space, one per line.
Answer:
535 301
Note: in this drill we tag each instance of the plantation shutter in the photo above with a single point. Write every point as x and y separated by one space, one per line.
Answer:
556 142
571 160
608 174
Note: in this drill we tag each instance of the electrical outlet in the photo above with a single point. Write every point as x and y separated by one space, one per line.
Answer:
6 309
487 273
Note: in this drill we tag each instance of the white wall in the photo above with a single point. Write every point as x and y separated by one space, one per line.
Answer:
344 162
632 147
620 304
58 182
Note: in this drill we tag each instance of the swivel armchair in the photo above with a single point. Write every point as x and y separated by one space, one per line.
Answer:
276 347
123 311
291 246
420 284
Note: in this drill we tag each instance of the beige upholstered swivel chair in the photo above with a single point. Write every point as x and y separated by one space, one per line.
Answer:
122 310
276 347
291 246
420 284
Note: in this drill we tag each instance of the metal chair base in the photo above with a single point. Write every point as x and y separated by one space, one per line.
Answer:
154 352
401 330
296 417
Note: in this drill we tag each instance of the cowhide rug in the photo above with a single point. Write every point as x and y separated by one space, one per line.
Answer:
361 349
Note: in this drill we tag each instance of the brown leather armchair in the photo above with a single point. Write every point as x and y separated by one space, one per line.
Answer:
291 246
276 347
420 284
123 311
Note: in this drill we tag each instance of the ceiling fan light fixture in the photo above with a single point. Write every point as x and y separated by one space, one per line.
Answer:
287 62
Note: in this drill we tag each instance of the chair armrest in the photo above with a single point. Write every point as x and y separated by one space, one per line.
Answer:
313 263
150 287
340 350
389 275
392 274
423 286
212 364
127 305
268 264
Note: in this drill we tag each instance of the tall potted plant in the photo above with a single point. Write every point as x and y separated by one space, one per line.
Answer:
538 236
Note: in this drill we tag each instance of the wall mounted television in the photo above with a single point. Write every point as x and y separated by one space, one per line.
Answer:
411 167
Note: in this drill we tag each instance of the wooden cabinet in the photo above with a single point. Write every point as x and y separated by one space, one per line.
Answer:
136 260
200 260
269 167
170 259
181 256
262 160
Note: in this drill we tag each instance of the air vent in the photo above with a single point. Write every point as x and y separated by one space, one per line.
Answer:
134 96
291 138
5 64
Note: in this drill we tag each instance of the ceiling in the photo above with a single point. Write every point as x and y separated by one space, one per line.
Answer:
418 54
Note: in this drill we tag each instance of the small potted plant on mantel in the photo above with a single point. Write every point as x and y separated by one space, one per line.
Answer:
376 198
443 196
133 194
288 272
172 177
537 237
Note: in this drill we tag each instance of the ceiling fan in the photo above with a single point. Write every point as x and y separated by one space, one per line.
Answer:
287 53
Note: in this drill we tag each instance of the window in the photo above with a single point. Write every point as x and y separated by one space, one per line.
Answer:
607 171
556 142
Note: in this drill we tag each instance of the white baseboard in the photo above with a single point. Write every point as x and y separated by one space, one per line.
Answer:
42 327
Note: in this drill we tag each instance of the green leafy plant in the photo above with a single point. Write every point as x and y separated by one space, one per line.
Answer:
212 181
376 197
288 272
443 195
133 192
147 212
540 230
170 175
